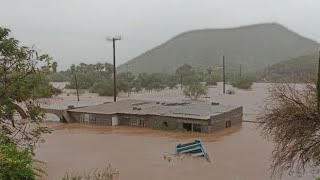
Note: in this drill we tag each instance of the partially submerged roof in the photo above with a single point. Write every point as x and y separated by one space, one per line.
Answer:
143 107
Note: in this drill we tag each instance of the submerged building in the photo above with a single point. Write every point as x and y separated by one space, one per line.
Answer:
205 118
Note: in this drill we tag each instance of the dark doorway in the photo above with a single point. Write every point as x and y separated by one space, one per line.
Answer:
187 126
228 124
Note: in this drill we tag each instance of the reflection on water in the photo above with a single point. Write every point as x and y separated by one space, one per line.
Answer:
237 153
128 130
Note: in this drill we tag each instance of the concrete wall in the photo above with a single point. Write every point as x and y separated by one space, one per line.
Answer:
218 122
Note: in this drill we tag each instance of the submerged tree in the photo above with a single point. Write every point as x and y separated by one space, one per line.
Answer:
195 90
291 120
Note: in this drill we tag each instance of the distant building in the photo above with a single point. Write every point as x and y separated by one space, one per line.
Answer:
206 118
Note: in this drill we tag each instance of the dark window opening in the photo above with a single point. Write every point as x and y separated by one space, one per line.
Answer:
228 124
165 123
187 126
141 123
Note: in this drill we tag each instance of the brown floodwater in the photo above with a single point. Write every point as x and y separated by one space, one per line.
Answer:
237 153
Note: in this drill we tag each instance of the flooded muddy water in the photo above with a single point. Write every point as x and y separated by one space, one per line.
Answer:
238 153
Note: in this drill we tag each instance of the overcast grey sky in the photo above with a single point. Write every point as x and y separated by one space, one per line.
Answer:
74 31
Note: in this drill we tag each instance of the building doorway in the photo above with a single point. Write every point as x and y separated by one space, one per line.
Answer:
192 127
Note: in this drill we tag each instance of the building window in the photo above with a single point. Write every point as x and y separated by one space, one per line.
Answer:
87 118
228 124
92 118
133 122
137 122
192 127
141 123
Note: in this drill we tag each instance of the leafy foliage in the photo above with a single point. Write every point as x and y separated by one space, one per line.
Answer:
212 80
58 77
15 163
195 90
242 83
21 84
103 88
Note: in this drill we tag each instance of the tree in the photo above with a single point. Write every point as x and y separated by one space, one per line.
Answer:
195 90
73 68
108 68
18 74
54 67
212 80
15 163
291 120
185 70
209 70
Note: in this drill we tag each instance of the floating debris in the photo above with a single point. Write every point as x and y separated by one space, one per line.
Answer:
194 148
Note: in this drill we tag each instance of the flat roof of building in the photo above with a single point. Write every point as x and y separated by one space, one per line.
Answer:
160 108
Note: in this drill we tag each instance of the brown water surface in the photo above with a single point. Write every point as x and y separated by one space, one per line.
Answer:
238 153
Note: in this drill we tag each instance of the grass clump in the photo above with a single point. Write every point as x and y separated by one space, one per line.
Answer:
107 173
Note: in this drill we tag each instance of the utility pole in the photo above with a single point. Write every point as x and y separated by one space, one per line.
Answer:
318 87
224 76
128 80
75 78
181 81
114 39
240 70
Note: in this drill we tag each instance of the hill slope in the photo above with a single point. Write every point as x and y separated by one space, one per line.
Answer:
254 47
299 69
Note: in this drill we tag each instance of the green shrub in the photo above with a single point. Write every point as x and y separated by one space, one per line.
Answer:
195 90
242 83
15 163
104 88
57 77
212 80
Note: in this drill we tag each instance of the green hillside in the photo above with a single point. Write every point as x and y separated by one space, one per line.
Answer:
299 69
254 46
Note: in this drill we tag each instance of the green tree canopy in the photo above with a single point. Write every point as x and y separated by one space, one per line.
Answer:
20 78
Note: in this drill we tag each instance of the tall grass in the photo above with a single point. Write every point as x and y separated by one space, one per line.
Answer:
107 173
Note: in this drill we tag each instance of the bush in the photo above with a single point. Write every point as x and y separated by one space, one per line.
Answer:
84 80
195 90
242 83
108 173
104 88
57 77
212 80
15 163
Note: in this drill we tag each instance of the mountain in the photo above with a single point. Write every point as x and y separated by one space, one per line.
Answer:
254 47
301 69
